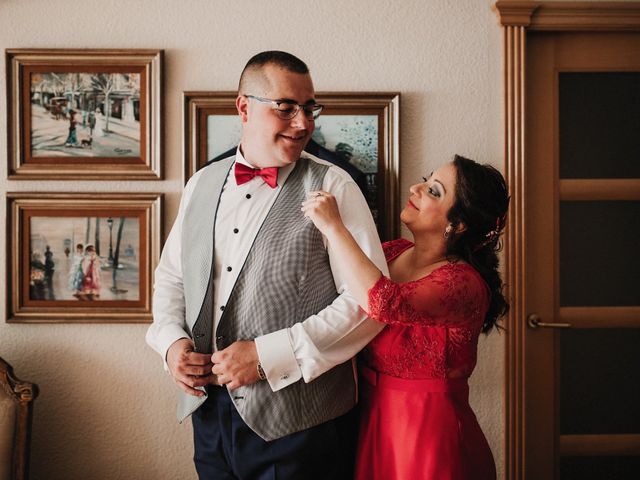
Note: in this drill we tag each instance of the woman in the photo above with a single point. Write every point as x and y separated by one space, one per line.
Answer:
98 125
72 139
91 274
75 273
443 291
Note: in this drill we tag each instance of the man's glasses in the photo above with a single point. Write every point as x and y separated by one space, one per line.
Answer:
286 110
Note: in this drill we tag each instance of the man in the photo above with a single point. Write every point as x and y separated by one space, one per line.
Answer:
92 123
244 274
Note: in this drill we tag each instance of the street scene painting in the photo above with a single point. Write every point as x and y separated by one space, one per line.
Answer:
82 114
84 259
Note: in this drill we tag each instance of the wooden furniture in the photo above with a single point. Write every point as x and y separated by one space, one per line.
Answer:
16 409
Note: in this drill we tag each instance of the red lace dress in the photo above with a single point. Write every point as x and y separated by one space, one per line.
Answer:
416 420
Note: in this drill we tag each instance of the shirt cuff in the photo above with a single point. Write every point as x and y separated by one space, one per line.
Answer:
278 359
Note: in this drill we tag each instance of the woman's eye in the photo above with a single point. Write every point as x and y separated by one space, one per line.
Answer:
424 179
434 192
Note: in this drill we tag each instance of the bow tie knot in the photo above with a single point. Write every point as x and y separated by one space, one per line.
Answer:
244 174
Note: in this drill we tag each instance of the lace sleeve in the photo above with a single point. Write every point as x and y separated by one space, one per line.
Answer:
450 295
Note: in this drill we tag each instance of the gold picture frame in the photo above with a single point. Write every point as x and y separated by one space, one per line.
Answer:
84 114
82 258
357 131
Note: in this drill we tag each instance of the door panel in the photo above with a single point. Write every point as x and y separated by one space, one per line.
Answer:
596 388
582 360
599 124
599 263
600 468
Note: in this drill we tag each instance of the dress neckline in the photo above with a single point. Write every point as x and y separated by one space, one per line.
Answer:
407 245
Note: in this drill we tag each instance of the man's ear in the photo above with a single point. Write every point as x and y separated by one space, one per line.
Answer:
242 105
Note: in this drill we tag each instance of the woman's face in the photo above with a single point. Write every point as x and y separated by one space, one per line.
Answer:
427 207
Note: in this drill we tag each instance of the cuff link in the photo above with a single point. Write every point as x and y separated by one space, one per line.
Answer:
261 373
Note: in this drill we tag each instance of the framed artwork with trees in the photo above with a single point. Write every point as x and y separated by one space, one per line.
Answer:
84 114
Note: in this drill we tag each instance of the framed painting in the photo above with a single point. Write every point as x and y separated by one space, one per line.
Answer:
84 114
77 257
357 131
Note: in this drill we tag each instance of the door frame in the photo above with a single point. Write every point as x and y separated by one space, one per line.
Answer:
517 19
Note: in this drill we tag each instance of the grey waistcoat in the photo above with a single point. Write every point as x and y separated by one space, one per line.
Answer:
285 279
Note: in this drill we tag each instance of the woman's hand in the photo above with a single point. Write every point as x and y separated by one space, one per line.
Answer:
358 272
321 207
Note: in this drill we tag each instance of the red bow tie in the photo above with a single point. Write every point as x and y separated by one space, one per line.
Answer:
244 174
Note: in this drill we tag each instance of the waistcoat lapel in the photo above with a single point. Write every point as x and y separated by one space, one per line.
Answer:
197 251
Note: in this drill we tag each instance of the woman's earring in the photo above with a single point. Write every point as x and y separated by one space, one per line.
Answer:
447 231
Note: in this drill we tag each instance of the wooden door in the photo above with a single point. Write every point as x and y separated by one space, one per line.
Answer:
582 256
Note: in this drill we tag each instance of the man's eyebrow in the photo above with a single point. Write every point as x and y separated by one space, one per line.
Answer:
295 102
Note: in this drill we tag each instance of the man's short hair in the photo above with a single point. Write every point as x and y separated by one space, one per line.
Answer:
272 57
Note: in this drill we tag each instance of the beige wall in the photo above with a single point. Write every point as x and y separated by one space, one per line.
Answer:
106 408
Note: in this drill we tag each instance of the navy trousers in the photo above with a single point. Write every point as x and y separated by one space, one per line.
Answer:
226 448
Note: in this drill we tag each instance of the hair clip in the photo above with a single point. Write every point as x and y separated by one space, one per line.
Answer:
493 234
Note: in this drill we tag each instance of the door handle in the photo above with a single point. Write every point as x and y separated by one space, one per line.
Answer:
534 322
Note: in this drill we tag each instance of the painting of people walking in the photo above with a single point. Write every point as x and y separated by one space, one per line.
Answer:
78 257
84 258
84 113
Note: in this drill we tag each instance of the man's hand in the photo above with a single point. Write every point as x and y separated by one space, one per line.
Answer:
188 368
236 365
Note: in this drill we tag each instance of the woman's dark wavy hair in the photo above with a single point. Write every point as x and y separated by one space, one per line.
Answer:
481 204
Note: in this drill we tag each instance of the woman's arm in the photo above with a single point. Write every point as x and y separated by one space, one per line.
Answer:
359 272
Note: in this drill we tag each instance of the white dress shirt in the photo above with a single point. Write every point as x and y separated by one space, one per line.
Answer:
307 349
